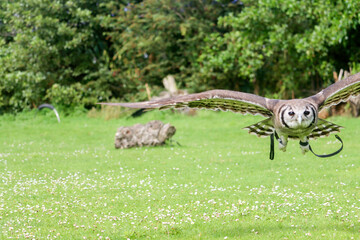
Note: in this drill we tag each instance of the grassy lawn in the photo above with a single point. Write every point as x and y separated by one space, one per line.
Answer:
68 181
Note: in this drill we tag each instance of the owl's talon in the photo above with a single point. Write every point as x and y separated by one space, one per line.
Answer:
282 147
282 144
304 150
304 146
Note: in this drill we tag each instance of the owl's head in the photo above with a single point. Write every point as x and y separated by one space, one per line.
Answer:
298 115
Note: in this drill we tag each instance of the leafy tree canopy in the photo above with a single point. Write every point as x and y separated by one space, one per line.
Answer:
80 52
285 47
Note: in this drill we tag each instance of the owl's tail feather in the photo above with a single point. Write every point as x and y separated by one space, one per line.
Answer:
261 129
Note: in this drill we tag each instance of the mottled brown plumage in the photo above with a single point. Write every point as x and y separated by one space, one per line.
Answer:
294 119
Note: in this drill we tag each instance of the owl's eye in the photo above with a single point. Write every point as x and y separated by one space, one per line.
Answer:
306 113
291 113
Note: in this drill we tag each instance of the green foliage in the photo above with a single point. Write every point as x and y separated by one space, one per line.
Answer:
93 51
156 38
48 42
282 46
77 53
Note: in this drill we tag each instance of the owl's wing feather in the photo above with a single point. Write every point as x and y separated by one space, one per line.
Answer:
323 129
224 100
338 92
261 129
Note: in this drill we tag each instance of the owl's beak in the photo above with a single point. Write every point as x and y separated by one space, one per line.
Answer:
299 119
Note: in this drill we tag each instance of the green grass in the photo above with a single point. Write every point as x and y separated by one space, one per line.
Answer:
68 181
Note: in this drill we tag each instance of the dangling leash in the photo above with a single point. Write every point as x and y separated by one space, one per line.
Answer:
272 145
331 154
272 152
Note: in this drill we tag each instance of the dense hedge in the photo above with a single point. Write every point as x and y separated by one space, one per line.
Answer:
79 52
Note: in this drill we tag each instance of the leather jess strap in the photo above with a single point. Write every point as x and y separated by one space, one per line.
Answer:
331 154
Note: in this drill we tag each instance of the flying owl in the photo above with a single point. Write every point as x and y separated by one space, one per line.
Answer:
286 119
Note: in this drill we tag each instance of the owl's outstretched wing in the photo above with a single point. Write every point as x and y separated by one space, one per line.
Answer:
262 129
323 129
224 100
338 92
